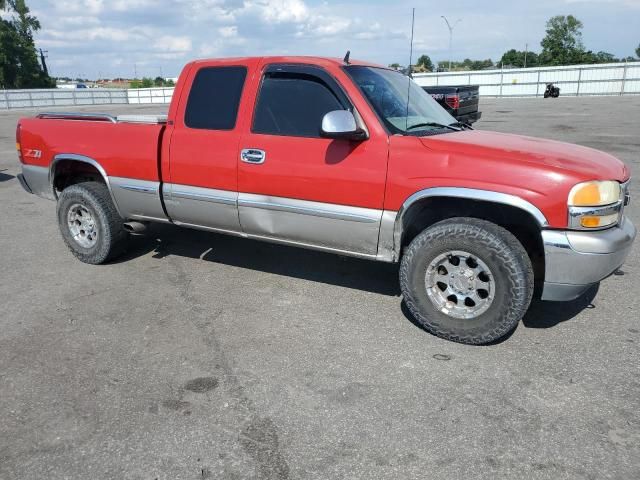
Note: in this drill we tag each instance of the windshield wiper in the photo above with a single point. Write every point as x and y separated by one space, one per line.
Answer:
461 125
434 124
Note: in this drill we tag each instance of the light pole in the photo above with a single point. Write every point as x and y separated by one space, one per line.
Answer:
450 27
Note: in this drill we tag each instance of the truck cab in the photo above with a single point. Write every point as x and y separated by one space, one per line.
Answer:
350 158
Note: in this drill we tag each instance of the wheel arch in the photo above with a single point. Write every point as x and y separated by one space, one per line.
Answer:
426 207
88 165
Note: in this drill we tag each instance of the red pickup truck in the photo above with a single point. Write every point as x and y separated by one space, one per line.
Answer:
345 157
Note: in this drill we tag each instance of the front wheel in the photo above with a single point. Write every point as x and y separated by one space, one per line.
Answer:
90 224
467 280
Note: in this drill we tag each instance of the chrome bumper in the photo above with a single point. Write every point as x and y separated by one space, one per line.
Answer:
575 260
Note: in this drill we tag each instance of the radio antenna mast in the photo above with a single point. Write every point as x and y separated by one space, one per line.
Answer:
413 21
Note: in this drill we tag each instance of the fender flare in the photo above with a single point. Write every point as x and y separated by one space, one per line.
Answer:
466 193
83 159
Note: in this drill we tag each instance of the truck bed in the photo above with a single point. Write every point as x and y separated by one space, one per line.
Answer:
125 145
468 100
124 150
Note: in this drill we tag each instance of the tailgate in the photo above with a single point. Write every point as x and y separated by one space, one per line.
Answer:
469 99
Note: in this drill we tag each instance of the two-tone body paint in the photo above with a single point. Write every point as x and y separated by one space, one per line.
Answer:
309 186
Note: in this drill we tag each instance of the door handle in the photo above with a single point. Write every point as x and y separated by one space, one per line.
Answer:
253 155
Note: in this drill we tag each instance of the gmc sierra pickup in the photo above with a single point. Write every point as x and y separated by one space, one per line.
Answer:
350 158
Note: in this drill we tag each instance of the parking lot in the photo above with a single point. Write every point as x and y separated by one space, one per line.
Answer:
204 356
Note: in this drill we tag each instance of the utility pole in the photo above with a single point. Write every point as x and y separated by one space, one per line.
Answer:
526 49
43 56
135 71
450 27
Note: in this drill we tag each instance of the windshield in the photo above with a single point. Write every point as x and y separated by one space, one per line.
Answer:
387 92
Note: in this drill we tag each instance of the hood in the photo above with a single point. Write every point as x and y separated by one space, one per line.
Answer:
581 163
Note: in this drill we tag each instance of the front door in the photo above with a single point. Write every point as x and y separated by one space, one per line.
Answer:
295 185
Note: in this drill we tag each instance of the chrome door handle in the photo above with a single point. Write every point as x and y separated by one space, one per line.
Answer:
253 155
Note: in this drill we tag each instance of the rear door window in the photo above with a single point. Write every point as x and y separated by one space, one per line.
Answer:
215 97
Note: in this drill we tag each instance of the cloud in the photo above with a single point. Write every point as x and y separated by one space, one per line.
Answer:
111 36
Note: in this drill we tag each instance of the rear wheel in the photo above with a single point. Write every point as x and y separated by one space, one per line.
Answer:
467 280
90 224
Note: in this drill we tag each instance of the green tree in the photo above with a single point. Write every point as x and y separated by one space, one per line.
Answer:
638 51
562 44
516 58
395 66
468 64
19 66
425 62
147 82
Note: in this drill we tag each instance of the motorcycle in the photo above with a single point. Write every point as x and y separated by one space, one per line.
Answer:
551 91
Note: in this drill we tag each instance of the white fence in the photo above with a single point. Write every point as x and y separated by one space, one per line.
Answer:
150 95
604 79
82 96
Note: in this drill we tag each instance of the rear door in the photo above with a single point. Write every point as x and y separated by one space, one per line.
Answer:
295 185
202 184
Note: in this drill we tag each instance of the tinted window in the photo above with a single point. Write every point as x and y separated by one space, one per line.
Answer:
214 98
293 104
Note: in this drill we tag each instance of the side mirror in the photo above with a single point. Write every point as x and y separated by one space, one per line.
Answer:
341 124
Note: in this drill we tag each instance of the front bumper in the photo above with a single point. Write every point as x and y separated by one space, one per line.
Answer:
575 260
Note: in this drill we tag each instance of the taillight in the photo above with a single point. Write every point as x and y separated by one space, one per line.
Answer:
18 147
453 101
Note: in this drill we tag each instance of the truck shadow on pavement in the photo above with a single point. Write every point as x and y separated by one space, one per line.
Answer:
549 314
375 277
167 240
540 314
5 176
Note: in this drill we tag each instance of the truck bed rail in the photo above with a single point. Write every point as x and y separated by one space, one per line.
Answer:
95 117
104 117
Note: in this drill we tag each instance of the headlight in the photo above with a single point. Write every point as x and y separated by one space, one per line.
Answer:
595 204
594 194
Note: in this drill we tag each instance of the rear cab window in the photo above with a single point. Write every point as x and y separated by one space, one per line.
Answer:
214 98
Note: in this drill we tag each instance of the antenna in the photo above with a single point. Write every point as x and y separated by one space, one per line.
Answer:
413 21
346 57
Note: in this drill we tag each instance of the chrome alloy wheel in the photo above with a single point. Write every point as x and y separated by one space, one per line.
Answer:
459 284
82 226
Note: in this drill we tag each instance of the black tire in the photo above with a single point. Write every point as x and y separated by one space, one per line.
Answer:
501 252
111 237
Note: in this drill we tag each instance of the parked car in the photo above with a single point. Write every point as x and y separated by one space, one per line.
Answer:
322 154
462 102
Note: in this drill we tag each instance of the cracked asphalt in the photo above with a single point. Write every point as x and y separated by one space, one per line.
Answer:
203 356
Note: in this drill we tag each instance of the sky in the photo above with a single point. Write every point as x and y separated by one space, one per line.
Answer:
121 38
